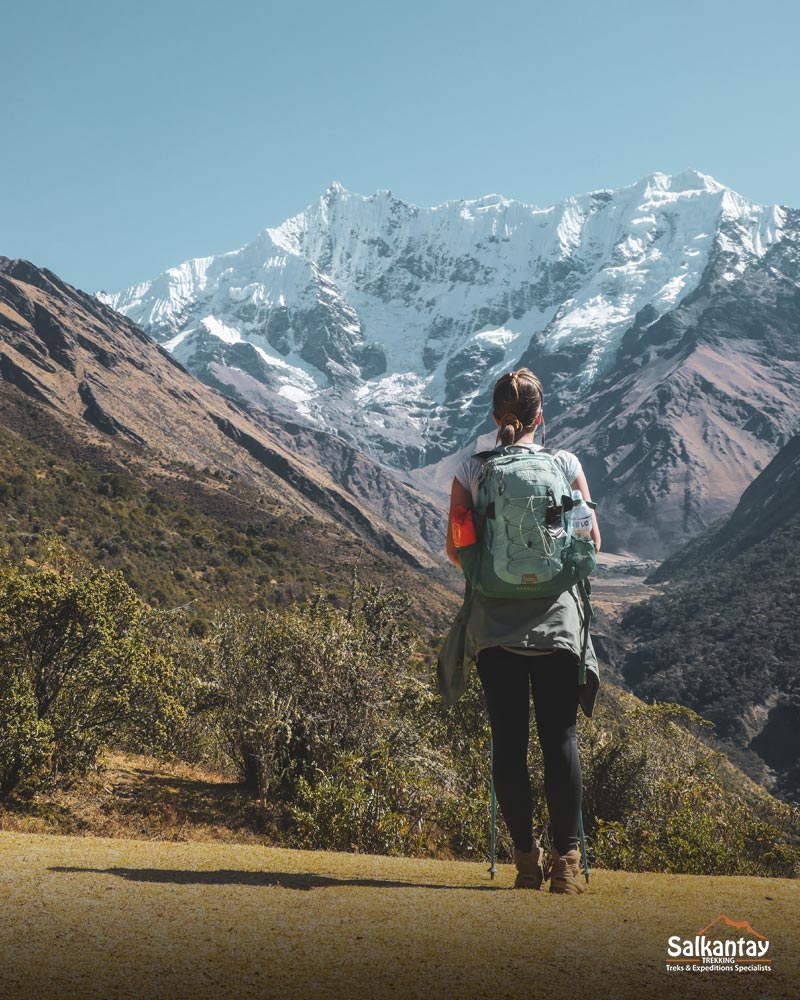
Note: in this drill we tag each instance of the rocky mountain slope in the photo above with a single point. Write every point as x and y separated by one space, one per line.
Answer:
662 317
90 378
768 504
722 637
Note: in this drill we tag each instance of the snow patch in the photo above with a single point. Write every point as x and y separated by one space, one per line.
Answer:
218 329
170 345
501 337
299 376
295 393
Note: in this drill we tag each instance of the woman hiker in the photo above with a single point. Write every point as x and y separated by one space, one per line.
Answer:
529 645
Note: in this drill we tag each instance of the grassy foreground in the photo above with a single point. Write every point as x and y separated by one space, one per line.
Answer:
88 917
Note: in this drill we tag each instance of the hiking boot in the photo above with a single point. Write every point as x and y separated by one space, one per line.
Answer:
565 873
530 868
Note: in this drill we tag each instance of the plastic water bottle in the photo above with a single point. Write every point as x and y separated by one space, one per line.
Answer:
580 516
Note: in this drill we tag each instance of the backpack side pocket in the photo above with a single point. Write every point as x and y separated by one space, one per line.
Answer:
581 557
470 558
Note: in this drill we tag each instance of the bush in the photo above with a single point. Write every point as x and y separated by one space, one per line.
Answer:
319 705
116 484
25 740
654 802
76 666
299 686
331 717
379 804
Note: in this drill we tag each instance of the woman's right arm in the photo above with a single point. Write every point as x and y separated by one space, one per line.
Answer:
460 496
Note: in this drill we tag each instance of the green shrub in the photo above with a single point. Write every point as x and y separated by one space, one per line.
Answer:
76 666
377 804
297 687
116 484
654 802
25 740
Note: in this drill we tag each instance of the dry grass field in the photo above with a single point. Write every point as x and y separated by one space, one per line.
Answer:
86 917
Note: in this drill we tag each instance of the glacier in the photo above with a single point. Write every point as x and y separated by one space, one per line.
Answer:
388 323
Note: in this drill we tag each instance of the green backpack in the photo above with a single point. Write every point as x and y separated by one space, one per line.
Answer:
525 545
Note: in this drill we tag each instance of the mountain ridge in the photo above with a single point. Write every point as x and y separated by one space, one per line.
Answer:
105 382
652 313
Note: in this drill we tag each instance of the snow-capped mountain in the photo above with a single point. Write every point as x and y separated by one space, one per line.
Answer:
406 315
387 323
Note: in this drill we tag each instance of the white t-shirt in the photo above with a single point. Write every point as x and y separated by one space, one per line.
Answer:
469 470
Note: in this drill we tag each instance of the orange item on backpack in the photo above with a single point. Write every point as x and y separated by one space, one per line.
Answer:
462 527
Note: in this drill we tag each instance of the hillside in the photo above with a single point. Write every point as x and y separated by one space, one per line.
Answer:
771 501
141 920
109 442
721 637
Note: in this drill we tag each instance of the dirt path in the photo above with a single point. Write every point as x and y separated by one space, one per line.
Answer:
90 917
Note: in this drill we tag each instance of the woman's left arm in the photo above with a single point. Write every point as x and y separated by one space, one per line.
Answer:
581 484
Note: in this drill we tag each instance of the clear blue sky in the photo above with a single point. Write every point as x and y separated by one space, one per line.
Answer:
136 135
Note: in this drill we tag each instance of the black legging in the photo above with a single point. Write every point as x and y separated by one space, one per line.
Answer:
507 679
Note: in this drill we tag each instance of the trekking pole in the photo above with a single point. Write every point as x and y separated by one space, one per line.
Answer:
583 846
492 809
